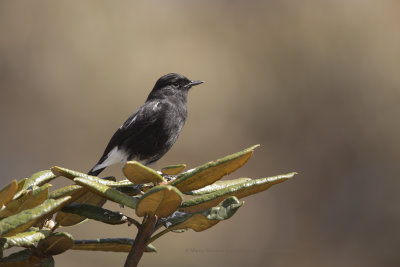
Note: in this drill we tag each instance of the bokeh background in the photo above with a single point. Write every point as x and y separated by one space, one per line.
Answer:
316 83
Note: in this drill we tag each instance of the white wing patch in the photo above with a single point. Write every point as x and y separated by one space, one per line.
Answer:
114 156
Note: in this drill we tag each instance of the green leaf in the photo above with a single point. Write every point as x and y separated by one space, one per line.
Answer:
65 191
95 213
140 174
39 179
18 259
161 200
54 244
25 239
7 193
46 262
39 195
18 223
239 190
27 201
20 190
130 190
70 174
107 192
173 169
13 206
217 186
21 184
213 171
200 221
80 195
208 218
109 244
25 258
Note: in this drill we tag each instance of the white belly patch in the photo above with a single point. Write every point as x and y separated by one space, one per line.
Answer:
114 156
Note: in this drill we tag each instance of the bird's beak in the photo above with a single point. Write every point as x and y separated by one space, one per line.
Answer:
193 83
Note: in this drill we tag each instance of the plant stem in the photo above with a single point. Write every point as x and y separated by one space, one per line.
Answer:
156 236
143 235
133 221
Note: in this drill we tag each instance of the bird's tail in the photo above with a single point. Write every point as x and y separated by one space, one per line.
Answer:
95 172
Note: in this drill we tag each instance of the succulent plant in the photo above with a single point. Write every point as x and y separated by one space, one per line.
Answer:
172 200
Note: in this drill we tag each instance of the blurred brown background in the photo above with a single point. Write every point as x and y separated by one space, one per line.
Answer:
316 83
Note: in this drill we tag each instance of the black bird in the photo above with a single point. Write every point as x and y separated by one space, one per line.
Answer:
152 130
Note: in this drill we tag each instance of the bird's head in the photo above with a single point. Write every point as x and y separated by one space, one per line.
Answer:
172 84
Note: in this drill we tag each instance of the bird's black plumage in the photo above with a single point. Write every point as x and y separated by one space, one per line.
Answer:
152 130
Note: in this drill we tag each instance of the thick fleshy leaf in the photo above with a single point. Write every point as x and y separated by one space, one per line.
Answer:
65 191
39 178
39 195
109 244
12 207
161 200
30 200
66 219
173 169
107 192
213 171
18 259
139 174
7 193
208 218
95 213
20 190
83 196
25 239
239 190
70 174
131 190
217 186
18 223
21 184
46 262
200 221
75 191
55 243
25 258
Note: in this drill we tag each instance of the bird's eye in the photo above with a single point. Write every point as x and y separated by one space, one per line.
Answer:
176 84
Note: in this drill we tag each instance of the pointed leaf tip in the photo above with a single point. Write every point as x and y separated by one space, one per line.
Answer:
8 192
39 178
239 190
173 169
211 172
109 244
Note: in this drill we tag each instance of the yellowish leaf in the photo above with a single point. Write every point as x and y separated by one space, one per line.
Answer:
140 174
240 190
213 171
7 193
161 200
173 169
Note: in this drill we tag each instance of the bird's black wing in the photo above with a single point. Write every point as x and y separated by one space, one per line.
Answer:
133 127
